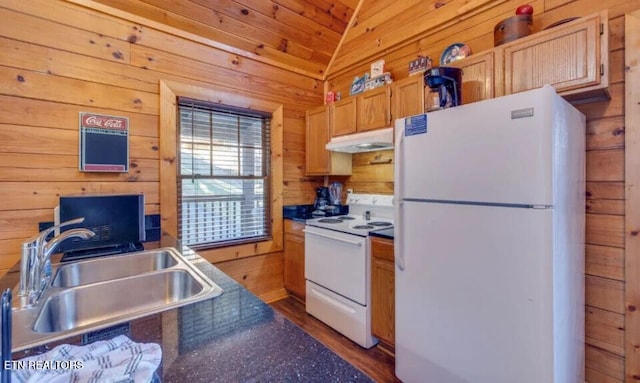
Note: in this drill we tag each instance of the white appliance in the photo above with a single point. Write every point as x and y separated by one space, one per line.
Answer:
338 265
489 242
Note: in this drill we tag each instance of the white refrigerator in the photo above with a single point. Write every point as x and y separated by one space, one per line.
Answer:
489 242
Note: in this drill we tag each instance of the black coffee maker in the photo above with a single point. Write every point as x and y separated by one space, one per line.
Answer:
444 88
322 199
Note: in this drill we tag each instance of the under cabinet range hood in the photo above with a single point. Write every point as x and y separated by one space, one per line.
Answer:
380 139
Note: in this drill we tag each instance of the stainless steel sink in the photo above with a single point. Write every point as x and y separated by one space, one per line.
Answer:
106 269
93 294
77 307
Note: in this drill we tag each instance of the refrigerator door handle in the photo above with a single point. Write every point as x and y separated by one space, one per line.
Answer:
397 197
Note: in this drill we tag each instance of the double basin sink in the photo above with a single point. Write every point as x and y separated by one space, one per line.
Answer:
97 293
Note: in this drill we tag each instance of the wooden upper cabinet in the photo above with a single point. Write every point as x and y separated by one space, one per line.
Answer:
320 161
343 117
572 57
316 137
407 96
477 77
374 109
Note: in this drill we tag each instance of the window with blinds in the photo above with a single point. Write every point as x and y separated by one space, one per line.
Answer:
223 175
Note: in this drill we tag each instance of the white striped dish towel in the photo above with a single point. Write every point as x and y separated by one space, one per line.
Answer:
119 360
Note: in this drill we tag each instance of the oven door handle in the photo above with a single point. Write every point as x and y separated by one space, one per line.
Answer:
355 243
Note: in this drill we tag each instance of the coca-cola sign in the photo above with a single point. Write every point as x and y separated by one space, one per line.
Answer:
104 143
104 121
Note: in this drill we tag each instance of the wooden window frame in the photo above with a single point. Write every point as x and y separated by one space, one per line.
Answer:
169 93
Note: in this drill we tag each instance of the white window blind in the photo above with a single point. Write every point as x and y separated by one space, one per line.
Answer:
223 175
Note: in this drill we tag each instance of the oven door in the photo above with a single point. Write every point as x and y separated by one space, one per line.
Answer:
338 262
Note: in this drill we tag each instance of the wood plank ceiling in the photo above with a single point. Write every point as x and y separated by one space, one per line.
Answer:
317 38
300 35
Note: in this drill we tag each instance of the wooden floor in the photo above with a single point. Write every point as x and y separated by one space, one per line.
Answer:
375 363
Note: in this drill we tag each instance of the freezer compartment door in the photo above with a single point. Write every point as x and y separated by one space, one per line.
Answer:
499 151
475 300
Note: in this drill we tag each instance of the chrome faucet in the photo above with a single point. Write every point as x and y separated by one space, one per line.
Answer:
36 254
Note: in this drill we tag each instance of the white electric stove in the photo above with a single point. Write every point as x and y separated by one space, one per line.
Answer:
338 265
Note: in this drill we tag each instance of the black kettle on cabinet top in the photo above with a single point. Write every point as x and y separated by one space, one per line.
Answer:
443 88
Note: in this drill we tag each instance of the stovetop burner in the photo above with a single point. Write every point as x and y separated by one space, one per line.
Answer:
330 220
379 223
363 227
345 218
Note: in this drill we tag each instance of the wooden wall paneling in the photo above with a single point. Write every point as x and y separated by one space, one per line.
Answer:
605 133
605 330
186 28
551 4
294 134
609 365
616 66
605 165
22 224
632 196
593 376
52 114
44 195
605 190
616 34
59 36
42 168
604 261
604 206
603 293
29 84
262 274
175 65
606 230
26 139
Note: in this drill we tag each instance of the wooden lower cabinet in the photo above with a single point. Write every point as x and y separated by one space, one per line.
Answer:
383 291
294 258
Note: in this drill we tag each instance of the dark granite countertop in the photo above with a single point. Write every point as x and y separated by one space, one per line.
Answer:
384 233
235 337
302 213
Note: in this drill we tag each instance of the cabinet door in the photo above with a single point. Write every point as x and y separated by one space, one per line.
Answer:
374 109
317 136
407 96
343 117
294 265
569 57
383 290
477 77
382 300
